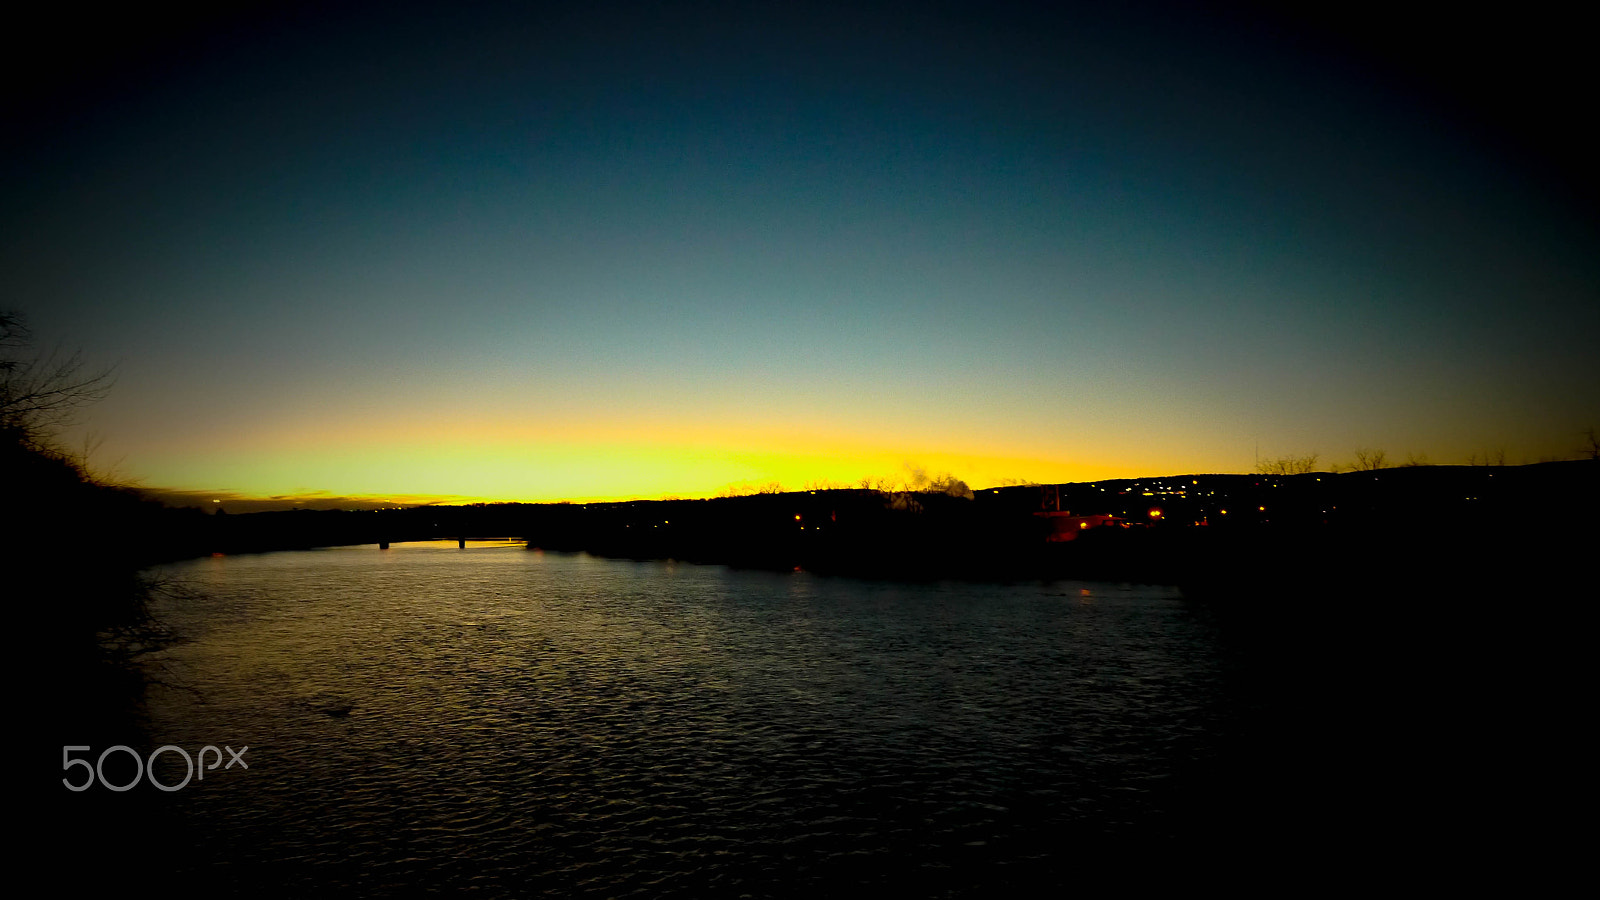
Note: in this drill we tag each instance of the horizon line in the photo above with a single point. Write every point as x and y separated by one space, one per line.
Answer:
326 500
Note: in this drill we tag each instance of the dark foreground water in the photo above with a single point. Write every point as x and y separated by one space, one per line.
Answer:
519 722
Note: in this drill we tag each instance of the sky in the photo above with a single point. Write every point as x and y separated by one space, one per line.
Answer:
537 252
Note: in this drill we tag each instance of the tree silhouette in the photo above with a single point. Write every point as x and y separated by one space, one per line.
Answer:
94 623
39 395
1370 460
1496 457
1288 465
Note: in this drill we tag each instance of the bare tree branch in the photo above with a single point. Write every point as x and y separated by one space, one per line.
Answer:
40 395
1288 465
1371 460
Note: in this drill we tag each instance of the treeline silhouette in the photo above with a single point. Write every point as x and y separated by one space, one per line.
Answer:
74 548
1237 534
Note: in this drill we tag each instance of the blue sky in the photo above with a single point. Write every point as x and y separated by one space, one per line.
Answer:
636 251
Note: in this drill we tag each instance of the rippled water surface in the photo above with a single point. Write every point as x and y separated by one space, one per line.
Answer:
521 721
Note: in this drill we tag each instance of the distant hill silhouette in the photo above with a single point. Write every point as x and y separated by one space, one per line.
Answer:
1235 533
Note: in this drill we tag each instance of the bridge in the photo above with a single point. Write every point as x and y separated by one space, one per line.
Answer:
461 542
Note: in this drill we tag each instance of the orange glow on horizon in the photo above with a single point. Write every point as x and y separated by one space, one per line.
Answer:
511 464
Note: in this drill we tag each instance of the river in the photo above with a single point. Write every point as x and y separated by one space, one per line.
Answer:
518 722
